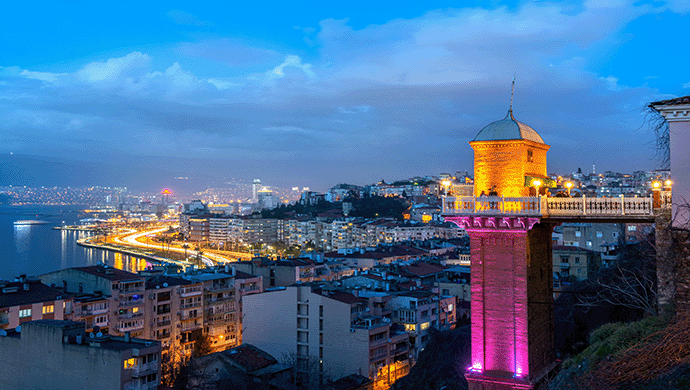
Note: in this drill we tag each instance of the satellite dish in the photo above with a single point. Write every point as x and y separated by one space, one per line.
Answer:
18 329
91 335
165 284
99 334
3 332
96 328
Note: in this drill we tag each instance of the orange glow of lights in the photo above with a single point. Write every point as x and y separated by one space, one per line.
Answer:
166 192
569 185
668 183
656 184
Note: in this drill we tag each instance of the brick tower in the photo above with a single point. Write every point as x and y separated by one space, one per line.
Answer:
511 265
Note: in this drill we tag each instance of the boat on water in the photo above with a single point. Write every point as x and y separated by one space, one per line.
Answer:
30 222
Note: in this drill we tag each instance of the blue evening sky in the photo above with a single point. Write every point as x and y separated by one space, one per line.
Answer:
316 93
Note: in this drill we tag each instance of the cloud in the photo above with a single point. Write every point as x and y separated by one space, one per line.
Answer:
432 80
185 18
293 61
686 85
290 129
129 68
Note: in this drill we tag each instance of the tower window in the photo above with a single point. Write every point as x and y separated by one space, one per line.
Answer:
530 155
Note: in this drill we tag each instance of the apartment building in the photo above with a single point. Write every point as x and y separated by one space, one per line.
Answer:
572 262
27 299
285 272
124 291
55 354
173 312
223 289
332 328
418 311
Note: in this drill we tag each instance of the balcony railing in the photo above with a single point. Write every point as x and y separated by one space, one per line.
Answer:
219 287
144 369
189 305
554 207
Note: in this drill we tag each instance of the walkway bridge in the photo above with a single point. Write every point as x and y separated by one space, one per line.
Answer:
584 209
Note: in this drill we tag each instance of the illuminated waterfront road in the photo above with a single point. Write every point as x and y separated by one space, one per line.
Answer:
133 240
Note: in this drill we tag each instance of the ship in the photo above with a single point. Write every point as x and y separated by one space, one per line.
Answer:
30 222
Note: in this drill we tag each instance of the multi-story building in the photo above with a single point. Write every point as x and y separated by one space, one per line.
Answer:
173 311
28 299
333 329
418 311
223 289
54 354
572 262
285 272
593 236
124 291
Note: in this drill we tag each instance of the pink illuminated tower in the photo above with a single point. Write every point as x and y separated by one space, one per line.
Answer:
512 280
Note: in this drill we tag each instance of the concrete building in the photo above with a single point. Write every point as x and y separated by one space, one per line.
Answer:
125 292
418 312
28 299
572 263
677 114
332 328
223 289
173 313
593 236
54 354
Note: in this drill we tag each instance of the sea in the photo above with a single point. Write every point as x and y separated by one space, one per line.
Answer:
37 249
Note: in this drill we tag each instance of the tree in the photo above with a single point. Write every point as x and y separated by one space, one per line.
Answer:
308 372
202 347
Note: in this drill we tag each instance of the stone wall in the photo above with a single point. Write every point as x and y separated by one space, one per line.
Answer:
504 164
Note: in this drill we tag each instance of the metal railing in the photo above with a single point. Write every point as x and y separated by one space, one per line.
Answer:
554 207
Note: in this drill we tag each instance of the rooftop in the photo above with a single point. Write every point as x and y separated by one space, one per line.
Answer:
508 129
110 273
13 293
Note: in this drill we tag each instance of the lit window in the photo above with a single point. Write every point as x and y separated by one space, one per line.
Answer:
23 313
425 326
48 309
131 362
135 309
410 327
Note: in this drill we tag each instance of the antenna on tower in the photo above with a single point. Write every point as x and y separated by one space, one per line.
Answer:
512 91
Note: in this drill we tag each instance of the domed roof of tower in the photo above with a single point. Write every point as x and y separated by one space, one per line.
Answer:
508 129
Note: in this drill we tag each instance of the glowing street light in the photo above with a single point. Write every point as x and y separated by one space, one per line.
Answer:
656 185
536 183
446 184
569 185
668 183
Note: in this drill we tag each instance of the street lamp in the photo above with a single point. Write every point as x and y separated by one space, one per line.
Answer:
446 184
568 185
536 184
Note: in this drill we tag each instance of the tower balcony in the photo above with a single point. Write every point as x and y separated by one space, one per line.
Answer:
561 208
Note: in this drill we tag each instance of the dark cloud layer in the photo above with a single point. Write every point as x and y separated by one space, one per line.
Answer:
391 100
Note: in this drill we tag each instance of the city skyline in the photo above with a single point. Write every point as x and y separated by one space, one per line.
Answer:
137 96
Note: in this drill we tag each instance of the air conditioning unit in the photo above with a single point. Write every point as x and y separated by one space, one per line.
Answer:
352 330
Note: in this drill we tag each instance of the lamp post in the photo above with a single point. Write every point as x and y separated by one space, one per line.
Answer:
656 196
446 184
568 185
536 184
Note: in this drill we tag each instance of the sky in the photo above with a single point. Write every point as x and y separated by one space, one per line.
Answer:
318 93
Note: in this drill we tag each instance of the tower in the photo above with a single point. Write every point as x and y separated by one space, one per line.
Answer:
511 264
256 187
508 155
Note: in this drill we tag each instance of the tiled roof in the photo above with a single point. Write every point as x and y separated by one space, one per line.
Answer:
38 292
109 273
343 297
158 280
424 269
250 358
